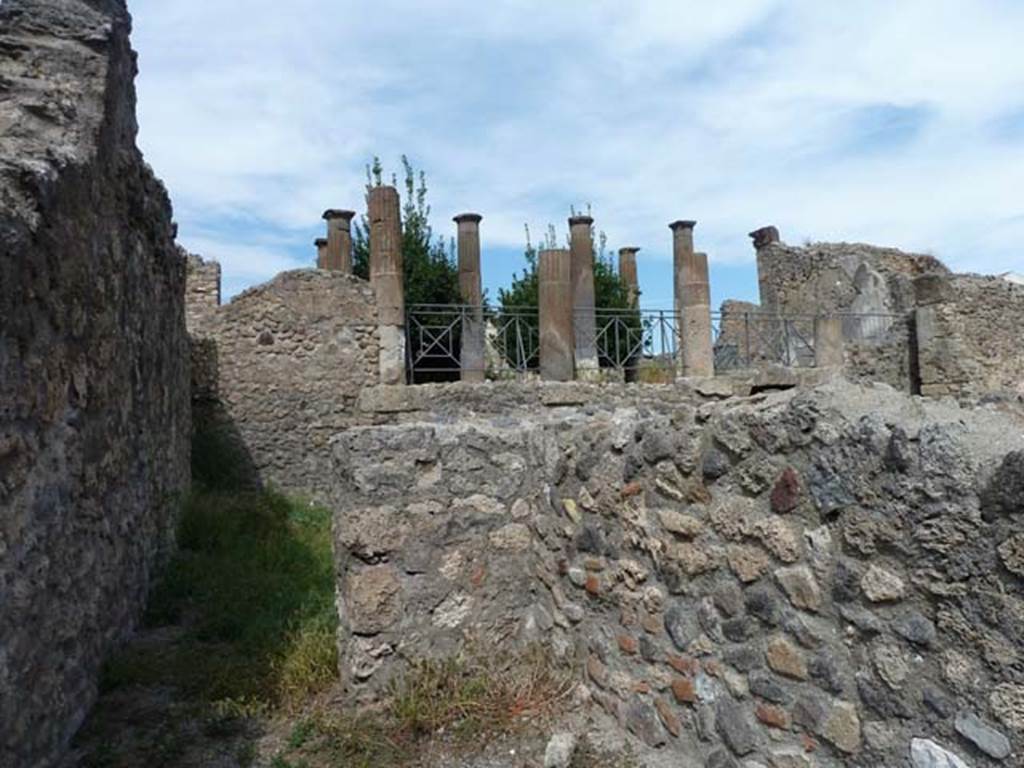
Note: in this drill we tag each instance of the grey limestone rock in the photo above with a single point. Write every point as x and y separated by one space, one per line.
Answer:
925 753
643 722
681 625
736 727
559 751
983 735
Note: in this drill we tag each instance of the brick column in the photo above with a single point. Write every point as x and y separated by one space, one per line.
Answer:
470 286
338 256
828 342
554 278
386 277
581 243
627 273
321 252
693 302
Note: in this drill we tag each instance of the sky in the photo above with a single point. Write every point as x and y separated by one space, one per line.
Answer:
895 122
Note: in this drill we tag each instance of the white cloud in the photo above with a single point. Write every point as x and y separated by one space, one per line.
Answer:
737 114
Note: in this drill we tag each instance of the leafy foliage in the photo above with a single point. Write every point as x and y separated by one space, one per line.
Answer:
610 293
431 272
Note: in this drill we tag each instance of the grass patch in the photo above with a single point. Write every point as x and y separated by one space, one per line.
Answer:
477 695
253 586
466 702
243 635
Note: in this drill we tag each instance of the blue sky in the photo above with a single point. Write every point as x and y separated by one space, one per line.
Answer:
898 123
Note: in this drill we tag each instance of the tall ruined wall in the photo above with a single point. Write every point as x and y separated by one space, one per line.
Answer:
202 293
876 284
839 277
282 366
970 335
94 408
202 302
824 578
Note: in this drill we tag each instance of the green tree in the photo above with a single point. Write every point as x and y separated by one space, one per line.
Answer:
431 273
610 292
611 295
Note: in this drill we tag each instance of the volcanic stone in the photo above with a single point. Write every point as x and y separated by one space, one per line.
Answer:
735 727
800 587
983 735
881 585
786 494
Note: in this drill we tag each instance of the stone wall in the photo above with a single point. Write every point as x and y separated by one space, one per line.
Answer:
94 407
839 277
969 335
875 285
737 343
202 302
830 577
280 368
202 293
882 349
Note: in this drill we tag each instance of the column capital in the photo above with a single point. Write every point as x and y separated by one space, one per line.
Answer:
468 218
630 250
578 221
675 226
333 213
320 242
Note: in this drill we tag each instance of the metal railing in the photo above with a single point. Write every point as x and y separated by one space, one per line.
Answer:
434 335
631 341
750 339
628 340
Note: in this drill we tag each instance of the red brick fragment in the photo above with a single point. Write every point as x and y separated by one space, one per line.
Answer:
685 691
628 644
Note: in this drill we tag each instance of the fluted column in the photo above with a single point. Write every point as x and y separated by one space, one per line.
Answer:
338 256
471 289
386 277
628 275
693 302
554 278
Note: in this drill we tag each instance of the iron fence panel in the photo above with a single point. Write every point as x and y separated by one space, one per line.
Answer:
630 341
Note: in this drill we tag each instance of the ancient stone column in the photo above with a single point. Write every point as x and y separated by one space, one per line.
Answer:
693 303
682 249
767 259
339 241
554 279
627 273
581 243
321 252
386 277
828 342
471 288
